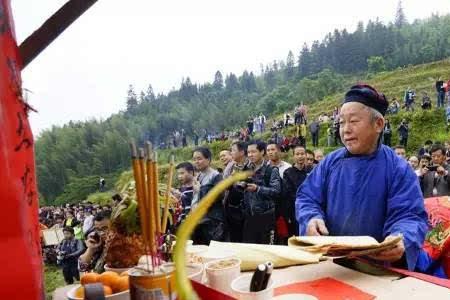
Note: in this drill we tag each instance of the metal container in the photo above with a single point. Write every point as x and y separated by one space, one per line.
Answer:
158 284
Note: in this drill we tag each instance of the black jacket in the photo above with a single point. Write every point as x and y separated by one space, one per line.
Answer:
216 211
292 179
268 180
72 248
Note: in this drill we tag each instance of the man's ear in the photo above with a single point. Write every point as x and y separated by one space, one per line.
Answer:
379 125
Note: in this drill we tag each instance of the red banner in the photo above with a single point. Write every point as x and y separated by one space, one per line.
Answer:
20 259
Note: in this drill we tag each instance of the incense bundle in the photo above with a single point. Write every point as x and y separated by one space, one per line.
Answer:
140 193
145 173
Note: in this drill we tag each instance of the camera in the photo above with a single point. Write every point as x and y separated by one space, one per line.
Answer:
433 168
60 257
95 236
242 185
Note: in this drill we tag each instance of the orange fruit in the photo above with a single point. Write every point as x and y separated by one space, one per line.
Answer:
124 273
122 284
89 278
79 292
108 278
107 290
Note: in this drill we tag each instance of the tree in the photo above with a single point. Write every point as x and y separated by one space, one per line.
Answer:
376 64
269 77
187 89
150 96
218 81
290 66
248 81
304 62
131 99
231 83
400 18
142 98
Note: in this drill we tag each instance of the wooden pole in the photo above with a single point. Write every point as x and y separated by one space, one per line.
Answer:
33 45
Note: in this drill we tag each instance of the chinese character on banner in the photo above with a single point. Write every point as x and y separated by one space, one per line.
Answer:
19 227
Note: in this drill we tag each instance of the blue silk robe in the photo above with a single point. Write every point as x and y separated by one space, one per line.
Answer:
375 195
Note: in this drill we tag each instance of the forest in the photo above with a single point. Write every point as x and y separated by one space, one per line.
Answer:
73 157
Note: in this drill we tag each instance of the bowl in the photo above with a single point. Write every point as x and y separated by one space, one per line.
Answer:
194 270
125 295
220 278
188 243
216 254
193 253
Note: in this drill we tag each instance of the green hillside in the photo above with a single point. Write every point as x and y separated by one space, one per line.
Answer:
423 124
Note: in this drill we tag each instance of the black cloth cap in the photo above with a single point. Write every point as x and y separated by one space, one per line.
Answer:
367 95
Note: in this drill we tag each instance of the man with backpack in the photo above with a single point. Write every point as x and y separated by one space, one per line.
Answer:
262 190
68 252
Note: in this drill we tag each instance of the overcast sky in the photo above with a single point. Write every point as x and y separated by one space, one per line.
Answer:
85 73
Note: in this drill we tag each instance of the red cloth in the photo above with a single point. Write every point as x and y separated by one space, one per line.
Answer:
206 292
437 243
282 229
20 248
424 277
325 289
421 276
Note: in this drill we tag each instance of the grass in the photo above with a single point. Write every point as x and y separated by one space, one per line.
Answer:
53 279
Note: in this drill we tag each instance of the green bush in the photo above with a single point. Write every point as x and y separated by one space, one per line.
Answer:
100 198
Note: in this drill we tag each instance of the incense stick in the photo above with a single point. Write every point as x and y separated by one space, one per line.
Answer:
151 218
156 203
166 200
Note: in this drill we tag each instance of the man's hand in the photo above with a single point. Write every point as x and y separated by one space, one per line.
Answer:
391 255
251 187
423 171
92 244
176 193
440 171
316 227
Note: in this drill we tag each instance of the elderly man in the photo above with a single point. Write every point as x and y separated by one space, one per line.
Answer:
364 188
225 157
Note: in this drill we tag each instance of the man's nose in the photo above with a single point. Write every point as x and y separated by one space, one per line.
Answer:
346 128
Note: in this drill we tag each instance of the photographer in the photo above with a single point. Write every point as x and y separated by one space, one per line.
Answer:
234 197
435 179
94 257
424 163
260 196
403 133
67 255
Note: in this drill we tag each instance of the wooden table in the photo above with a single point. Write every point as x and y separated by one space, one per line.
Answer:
383 287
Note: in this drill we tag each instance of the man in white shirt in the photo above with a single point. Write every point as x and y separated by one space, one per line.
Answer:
88 221
273 154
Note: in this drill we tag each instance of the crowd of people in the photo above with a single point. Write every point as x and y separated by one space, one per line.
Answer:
76 222
257 124
315 195
294 190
